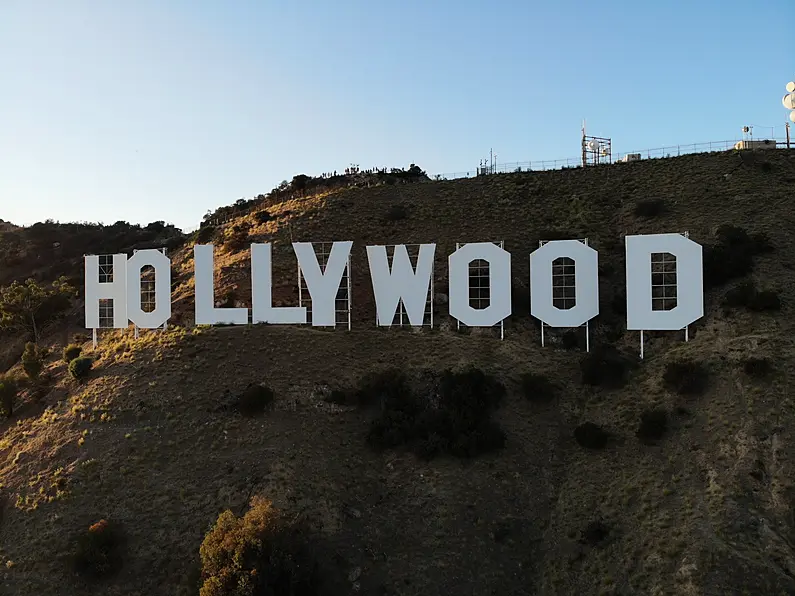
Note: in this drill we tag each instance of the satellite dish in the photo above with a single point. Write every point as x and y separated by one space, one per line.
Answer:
746 129
792 116
791 86
593 144
789 101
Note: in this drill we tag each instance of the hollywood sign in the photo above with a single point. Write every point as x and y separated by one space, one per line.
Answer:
409 284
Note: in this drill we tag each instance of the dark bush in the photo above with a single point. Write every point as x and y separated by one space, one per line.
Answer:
550 234
98 550
594 533
80 367
605 367
8 392
254 400
686 377
264 552
238 239
205 234
591 436
570 340
454 418
650 208
653 425
741 295
31 361
747 296
618 304
765 300
723 264
263 216
520 300
71 352
733 255
537 388
757 367
379 388
396 213
338 396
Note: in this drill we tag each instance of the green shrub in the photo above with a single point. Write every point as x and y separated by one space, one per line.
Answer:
8 392
255 400
80 367
71 352
98 550
264 552
686 377
32 361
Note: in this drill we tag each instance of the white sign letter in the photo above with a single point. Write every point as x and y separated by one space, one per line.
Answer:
162 266
115 290
584 277
262 310
401 283
689 284
324 285
206 312
499 284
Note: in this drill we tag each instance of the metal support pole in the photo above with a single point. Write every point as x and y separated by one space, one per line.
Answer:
94 338
432 291
587 336
641 345
350 292
458 323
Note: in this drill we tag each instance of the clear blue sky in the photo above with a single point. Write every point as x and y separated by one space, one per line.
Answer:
148 109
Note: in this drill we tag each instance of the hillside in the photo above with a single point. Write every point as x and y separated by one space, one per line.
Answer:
703 503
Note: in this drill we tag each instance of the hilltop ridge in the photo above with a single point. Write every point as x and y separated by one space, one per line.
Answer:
677 478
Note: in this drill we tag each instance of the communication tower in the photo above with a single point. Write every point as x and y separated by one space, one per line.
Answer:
595 150
488 166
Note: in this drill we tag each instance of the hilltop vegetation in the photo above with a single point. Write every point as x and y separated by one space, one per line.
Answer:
237 460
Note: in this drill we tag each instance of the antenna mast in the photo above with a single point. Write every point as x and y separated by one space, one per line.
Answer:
595 150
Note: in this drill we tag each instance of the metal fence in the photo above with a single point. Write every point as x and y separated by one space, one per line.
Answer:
573 162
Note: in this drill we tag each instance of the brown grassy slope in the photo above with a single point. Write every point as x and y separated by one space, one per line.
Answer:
706 511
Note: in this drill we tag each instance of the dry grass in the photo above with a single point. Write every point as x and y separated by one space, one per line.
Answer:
706 510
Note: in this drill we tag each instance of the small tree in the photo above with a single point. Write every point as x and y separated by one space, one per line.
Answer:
80 367
71 352
8 391
32 361
24 308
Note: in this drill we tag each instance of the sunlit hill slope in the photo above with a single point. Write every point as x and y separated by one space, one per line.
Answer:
591 474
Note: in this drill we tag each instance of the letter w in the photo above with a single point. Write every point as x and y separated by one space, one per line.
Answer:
401 283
